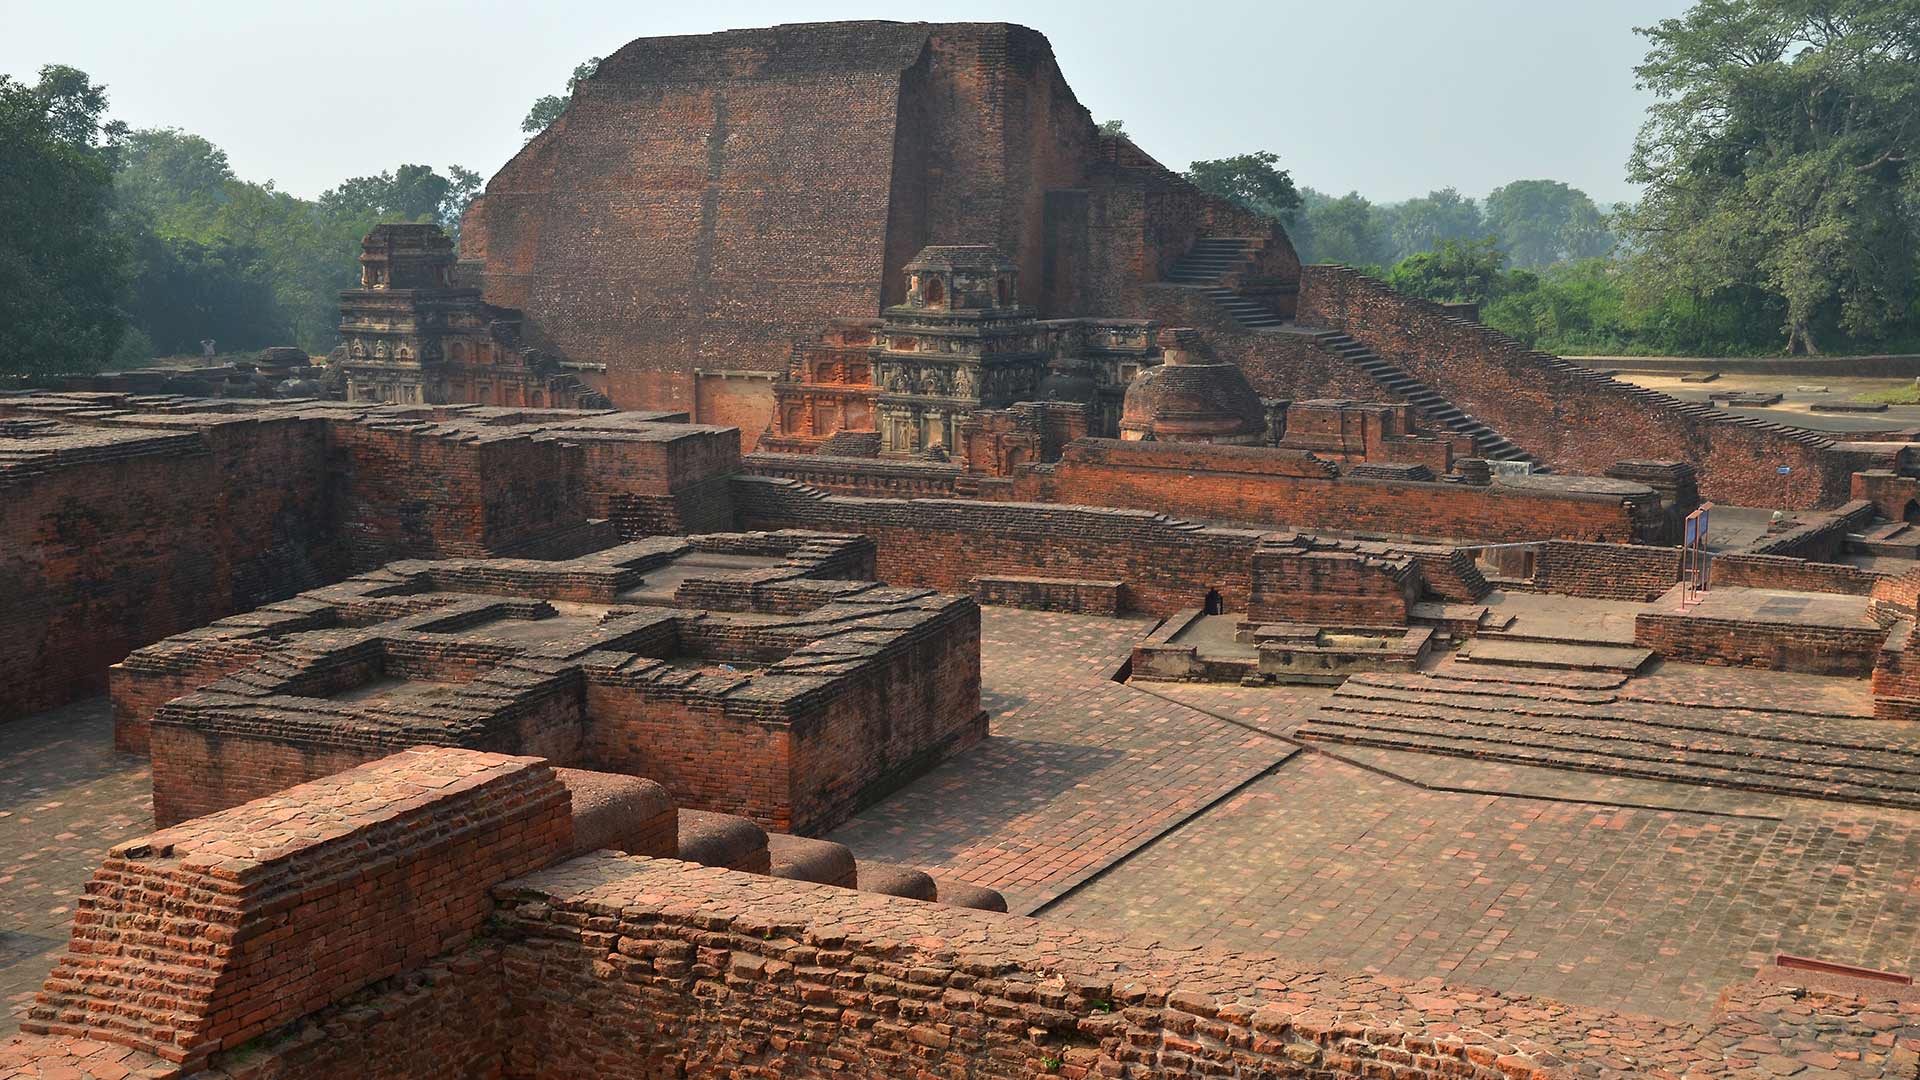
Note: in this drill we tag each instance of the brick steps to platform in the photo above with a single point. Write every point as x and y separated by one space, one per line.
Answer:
1490 443
1595 730
1210 265
1521 652
1442 738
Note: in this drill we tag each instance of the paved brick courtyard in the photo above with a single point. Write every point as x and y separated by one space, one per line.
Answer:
1185 811
65 797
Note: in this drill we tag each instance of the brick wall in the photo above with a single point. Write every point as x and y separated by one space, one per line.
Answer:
1278 365
1792 574
200 937
1050 594
408 493
945 544
1603 571
1332 588
1568 416
1896 676
1289 489
858 476
633 968
1890 493
110 539
1166 564
1773 646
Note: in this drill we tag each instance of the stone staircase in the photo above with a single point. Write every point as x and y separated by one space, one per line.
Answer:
1491 444
1210 266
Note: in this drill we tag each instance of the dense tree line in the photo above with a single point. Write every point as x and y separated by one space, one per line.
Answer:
117 246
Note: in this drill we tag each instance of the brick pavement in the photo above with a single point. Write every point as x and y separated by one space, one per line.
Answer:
65 796
1647 911
1078 769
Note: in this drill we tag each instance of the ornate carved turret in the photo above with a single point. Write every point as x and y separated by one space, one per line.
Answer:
409 334
960 341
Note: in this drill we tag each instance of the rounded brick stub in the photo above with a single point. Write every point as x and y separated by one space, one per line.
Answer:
800 858
723 840
966 895
891 880
620 813
1192 397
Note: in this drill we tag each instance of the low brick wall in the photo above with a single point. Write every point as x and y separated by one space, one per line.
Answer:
200 937
1793 574
1291 489
1823 539
1050 594
1166 564
1814 650
644 968
1604 571
1896 676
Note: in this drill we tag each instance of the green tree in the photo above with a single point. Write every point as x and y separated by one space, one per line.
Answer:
176 180
1346 230
547 109
1469 271
1545 221
1113 127
1423 224
1251 180
61 264
1778 158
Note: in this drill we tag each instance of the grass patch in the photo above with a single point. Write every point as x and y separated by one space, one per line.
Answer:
1902 395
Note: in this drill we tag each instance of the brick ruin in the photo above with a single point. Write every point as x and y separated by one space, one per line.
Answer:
494 731
808 694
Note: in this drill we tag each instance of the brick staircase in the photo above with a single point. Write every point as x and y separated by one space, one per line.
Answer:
1210 267
1573 721
1490 443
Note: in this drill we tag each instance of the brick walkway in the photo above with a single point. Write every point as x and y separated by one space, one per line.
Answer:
1647 911
1079 769
65 797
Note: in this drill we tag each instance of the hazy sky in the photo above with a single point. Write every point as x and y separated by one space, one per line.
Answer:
1390 97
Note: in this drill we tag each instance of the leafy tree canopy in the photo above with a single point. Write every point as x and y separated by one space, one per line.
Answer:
1252 180
1471 271
547 109
61 264
1349 229
1545 221
1423 224
1779 159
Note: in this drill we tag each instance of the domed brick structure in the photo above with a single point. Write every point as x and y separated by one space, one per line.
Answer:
1192 397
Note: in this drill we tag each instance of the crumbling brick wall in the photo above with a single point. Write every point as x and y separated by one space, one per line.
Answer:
1772 646
642 968
200 937
1792 574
